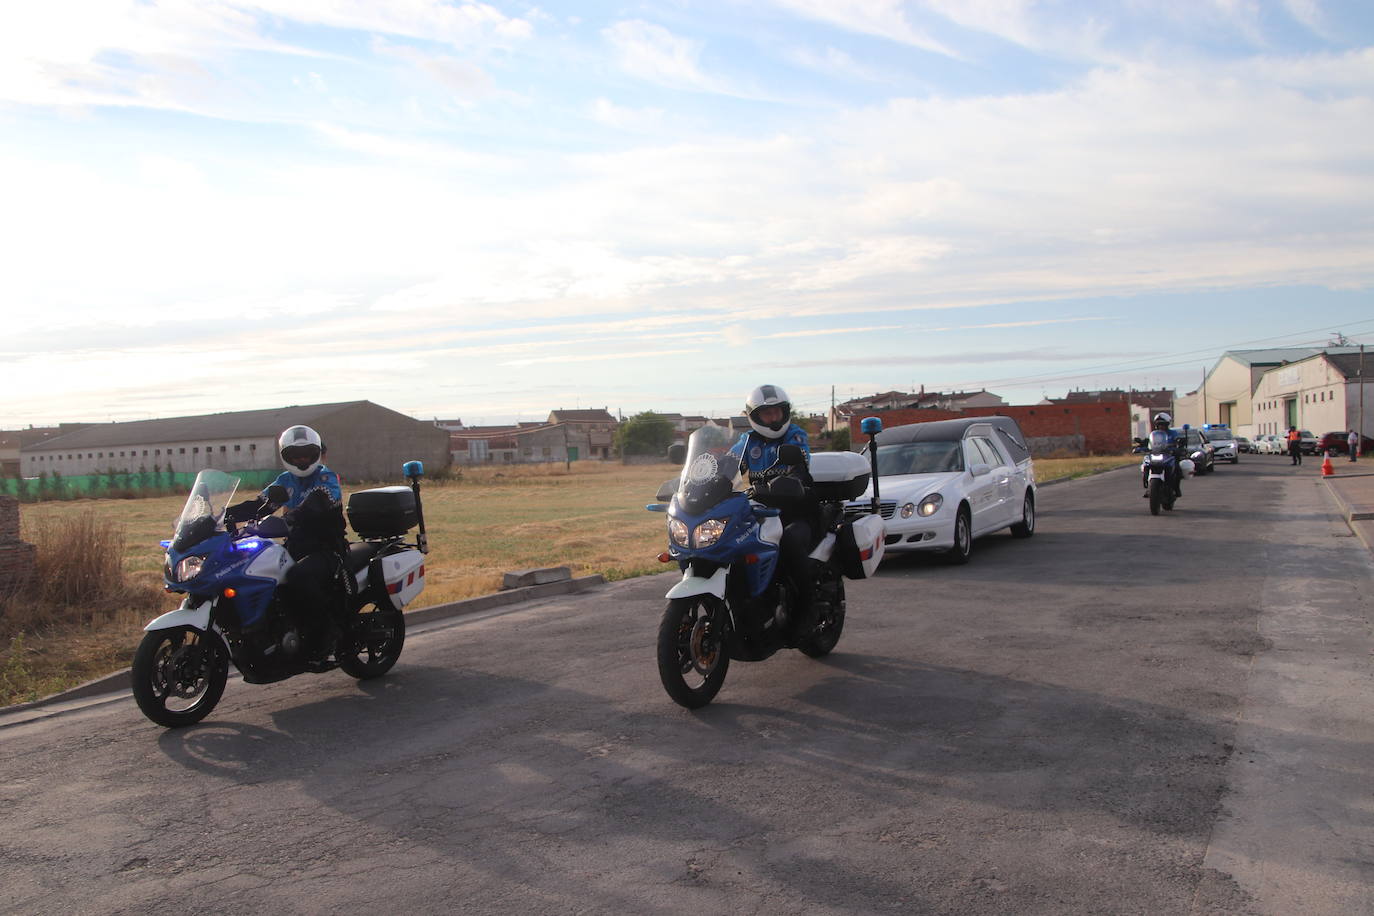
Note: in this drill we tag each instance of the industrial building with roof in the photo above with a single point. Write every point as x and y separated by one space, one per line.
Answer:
1228 393
365 441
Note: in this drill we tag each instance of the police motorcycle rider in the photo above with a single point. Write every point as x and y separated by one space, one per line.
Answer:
316 537
1163 421
770 417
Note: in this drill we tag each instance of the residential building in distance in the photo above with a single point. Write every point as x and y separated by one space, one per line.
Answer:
567 435
841 414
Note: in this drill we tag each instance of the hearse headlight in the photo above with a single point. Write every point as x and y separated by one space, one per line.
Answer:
930 505
677 532
189 568
709 531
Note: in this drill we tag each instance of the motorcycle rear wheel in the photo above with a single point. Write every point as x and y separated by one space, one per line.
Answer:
692 659
374 643
179 675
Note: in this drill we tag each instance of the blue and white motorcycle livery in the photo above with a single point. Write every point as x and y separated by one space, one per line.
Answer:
731 603
1162 469
236 609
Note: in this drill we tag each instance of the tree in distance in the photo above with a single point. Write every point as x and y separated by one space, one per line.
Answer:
645 433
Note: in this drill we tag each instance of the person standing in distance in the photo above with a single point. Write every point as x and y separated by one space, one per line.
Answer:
1295 445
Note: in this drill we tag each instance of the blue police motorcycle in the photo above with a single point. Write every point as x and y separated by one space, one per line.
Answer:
238 608
731 603
1162 468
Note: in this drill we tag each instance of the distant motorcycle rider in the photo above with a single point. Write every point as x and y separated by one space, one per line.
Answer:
770 415
1163 422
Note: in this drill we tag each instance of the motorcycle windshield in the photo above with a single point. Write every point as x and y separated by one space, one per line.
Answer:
203 514
1159 440
711 473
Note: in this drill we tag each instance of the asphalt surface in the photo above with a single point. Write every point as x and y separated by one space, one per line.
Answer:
1123 714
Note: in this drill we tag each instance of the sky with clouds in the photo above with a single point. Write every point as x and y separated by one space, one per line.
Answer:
488 210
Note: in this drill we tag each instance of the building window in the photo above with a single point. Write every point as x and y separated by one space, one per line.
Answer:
237 447
157 451
223 449
181 451
195 450
252 446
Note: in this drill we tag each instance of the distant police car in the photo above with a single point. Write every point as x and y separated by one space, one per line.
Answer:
1223 441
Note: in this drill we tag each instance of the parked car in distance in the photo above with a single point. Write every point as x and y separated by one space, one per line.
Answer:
944 483
1307 442
1243 444
1338 443
1223 442
1268 444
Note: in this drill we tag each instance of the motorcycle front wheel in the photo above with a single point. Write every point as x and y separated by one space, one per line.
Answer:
692 659
1156 496
826 635
374 644
179 675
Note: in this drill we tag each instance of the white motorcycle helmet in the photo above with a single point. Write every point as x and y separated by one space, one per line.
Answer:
301 450
1162 420
768 396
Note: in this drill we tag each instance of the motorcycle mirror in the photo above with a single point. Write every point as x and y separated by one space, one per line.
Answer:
277 494
677 453
666 491
791 455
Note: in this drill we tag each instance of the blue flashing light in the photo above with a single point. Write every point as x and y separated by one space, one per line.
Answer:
870 426
164 544
413 468
247 545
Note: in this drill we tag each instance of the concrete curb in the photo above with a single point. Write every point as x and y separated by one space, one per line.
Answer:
1361 522
118 682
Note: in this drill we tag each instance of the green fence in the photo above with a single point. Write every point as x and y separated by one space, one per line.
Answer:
121 484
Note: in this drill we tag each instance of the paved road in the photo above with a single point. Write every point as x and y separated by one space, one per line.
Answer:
1124 714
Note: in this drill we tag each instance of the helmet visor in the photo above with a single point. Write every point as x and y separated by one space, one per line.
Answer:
301 456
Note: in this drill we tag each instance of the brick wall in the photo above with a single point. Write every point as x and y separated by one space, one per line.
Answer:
16 557
1098 429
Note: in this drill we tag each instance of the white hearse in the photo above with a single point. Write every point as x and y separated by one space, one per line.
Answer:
943 483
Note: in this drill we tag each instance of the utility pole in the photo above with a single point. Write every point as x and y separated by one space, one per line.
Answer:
1204 396
1359 425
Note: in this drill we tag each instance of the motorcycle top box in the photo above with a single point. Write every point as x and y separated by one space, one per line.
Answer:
839 475
384 512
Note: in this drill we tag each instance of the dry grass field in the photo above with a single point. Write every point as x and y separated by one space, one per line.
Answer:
486 522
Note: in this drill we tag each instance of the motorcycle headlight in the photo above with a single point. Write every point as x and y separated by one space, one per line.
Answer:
677 532
709 531
930 505
189 568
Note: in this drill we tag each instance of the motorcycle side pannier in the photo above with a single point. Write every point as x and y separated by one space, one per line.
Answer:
386 512
401 575
839 475
860 546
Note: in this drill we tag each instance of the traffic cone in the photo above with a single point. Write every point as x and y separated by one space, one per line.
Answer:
1327 469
